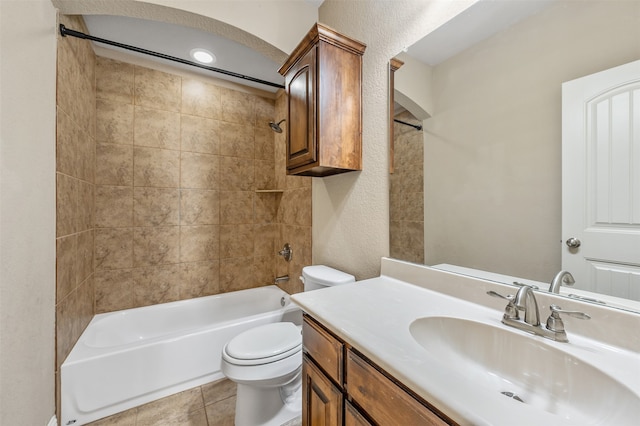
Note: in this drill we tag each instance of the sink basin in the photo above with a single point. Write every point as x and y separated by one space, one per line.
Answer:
527 370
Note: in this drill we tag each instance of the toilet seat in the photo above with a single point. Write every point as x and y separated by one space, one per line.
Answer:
264 344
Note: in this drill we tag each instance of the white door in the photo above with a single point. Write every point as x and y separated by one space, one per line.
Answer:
601 181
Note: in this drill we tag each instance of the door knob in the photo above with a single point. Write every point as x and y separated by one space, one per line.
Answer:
573 242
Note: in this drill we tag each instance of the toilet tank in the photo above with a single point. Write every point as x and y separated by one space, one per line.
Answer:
320 276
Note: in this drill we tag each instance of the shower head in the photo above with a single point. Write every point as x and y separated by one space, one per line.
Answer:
276 126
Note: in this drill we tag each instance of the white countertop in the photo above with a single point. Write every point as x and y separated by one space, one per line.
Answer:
374 316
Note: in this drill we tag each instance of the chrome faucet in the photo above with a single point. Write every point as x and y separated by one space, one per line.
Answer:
561 277
281 279
525 300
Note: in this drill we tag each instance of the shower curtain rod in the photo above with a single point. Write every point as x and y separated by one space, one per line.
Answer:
64 31
415 126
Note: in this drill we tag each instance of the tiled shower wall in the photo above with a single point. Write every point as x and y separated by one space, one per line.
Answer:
406 198
156 189
180 163
75 170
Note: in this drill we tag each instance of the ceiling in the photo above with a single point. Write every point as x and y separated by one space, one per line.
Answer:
479 21
178 41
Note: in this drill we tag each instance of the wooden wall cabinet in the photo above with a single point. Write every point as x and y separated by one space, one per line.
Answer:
342 387
323 79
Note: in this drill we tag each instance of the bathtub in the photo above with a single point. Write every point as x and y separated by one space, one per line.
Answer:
131 357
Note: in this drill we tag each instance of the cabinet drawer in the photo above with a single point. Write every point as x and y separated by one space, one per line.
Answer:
324 349
383 400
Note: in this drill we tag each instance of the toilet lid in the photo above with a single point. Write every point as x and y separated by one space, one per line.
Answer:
265 341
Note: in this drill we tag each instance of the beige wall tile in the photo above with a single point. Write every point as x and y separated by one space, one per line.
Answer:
114 164
156 284
114 290
66 205
265 143
265 177
237 174
114 80
114 122
156 128
199 243
265 240
67 140
199 171
156 246
201 99
113 248
156 206
157 89
296 207
237 139
237 274
264 270
86 206
156 167
236 207
114 206
66 265
200 134
199 207
265 207
85 256
86 157
265 112
237 107
236 241
199 279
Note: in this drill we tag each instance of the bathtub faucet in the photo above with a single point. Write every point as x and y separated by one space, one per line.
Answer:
281 279
286 252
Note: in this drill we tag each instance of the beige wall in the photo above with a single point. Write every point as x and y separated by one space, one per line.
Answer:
351 211
493 197
27 211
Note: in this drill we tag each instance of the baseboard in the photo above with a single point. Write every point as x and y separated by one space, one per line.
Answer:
53 421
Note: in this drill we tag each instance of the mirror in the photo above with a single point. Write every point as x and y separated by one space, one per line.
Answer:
491 146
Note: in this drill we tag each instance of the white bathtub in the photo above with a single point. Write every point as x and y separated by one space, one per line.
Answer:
131 357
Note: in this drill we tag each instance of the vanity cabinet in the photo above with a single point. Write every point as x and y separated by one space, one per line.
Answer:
323 81
342 387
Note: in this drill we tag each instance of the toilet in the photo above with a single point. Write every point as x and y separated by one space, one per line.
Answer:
266 362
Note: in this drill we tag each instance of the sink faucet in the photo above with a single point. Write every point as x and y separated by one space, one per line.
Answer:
525 300
561 277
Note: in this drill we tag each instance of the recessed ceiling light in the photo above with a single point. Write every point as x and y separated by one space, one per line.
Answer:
203 56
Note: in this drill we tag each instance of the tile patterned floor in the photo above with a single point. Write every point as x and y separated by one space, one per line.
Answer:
212 404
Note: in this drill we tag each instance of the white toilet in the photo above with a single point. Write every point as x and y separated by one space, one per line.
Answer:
266 362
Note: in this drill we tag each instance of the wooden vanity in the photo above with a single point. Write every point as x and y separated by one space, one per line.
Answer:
342 387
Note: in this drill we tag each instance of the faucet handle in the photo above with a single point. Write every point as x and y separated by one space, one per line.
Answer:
556 325
510 311
555 310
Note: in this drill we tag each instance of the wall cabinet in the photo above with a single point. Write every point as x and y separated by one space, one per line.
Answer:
323 79
342 387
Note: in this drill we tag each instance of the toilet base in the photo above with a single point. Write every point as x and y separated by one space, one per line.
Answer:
265 406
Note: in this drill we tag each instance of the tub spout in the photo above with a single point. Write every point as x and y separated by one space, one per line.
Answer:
281 279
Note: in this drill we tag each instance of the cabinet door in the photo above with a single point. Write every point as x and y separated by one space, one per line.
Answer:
352 417
322 403
301 91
